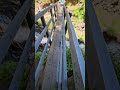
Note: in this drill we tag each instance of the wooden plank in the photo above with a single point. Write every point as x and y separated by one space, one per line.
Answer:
40 14
64 65
78 62
22 62
50 81
100 70
60 67
12 29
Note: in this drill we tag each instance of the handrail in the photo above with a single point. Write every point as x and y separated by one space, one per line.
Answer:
100 70
37 72
22 62
40 14
12 29
77 57
64 61
38 41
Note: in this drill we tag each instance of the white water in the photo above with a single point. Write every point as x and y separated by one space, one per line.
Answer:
44 40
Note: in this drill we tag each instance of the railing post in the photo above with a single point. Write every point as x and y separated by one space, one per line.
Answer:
66 24
44 24
29 16
64 65
55 11
53 21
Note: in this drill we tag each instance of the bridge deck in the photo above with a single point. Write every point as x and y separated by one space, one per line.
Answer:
54 57
54 75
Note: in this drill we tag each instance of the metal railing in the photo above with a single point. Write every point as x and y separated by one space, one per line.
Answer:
100 71
7 39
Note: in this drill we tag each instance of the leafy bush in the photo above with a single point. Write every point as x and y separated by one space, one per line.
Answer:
116 65
80 12
69 61
25 78
38 55
39 22
117 69
7 70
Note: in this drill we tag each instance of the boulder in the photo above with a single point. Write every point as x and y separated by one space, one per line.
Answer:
8 10
108 14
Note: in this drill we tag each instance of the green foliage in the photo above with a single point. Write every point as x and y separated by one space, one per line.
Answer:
7 70
114 28
83 52
117 69
69 63
39 22
80 12
38 55
25 78
116 64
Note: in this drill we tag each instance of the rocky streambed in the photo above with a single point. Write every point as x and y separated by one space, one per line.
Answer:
114 50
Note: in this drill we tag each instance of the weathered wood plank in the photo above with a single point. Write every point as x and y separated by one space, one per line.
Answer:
60 67
100 71
12 29
64 65
50 81
78 62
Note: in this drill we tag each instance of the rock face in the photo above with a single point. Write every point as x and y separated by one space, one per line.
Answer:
108 13
8 9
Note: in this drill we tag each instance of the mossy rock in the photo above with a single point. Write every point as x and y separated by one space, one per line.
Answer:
7 70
